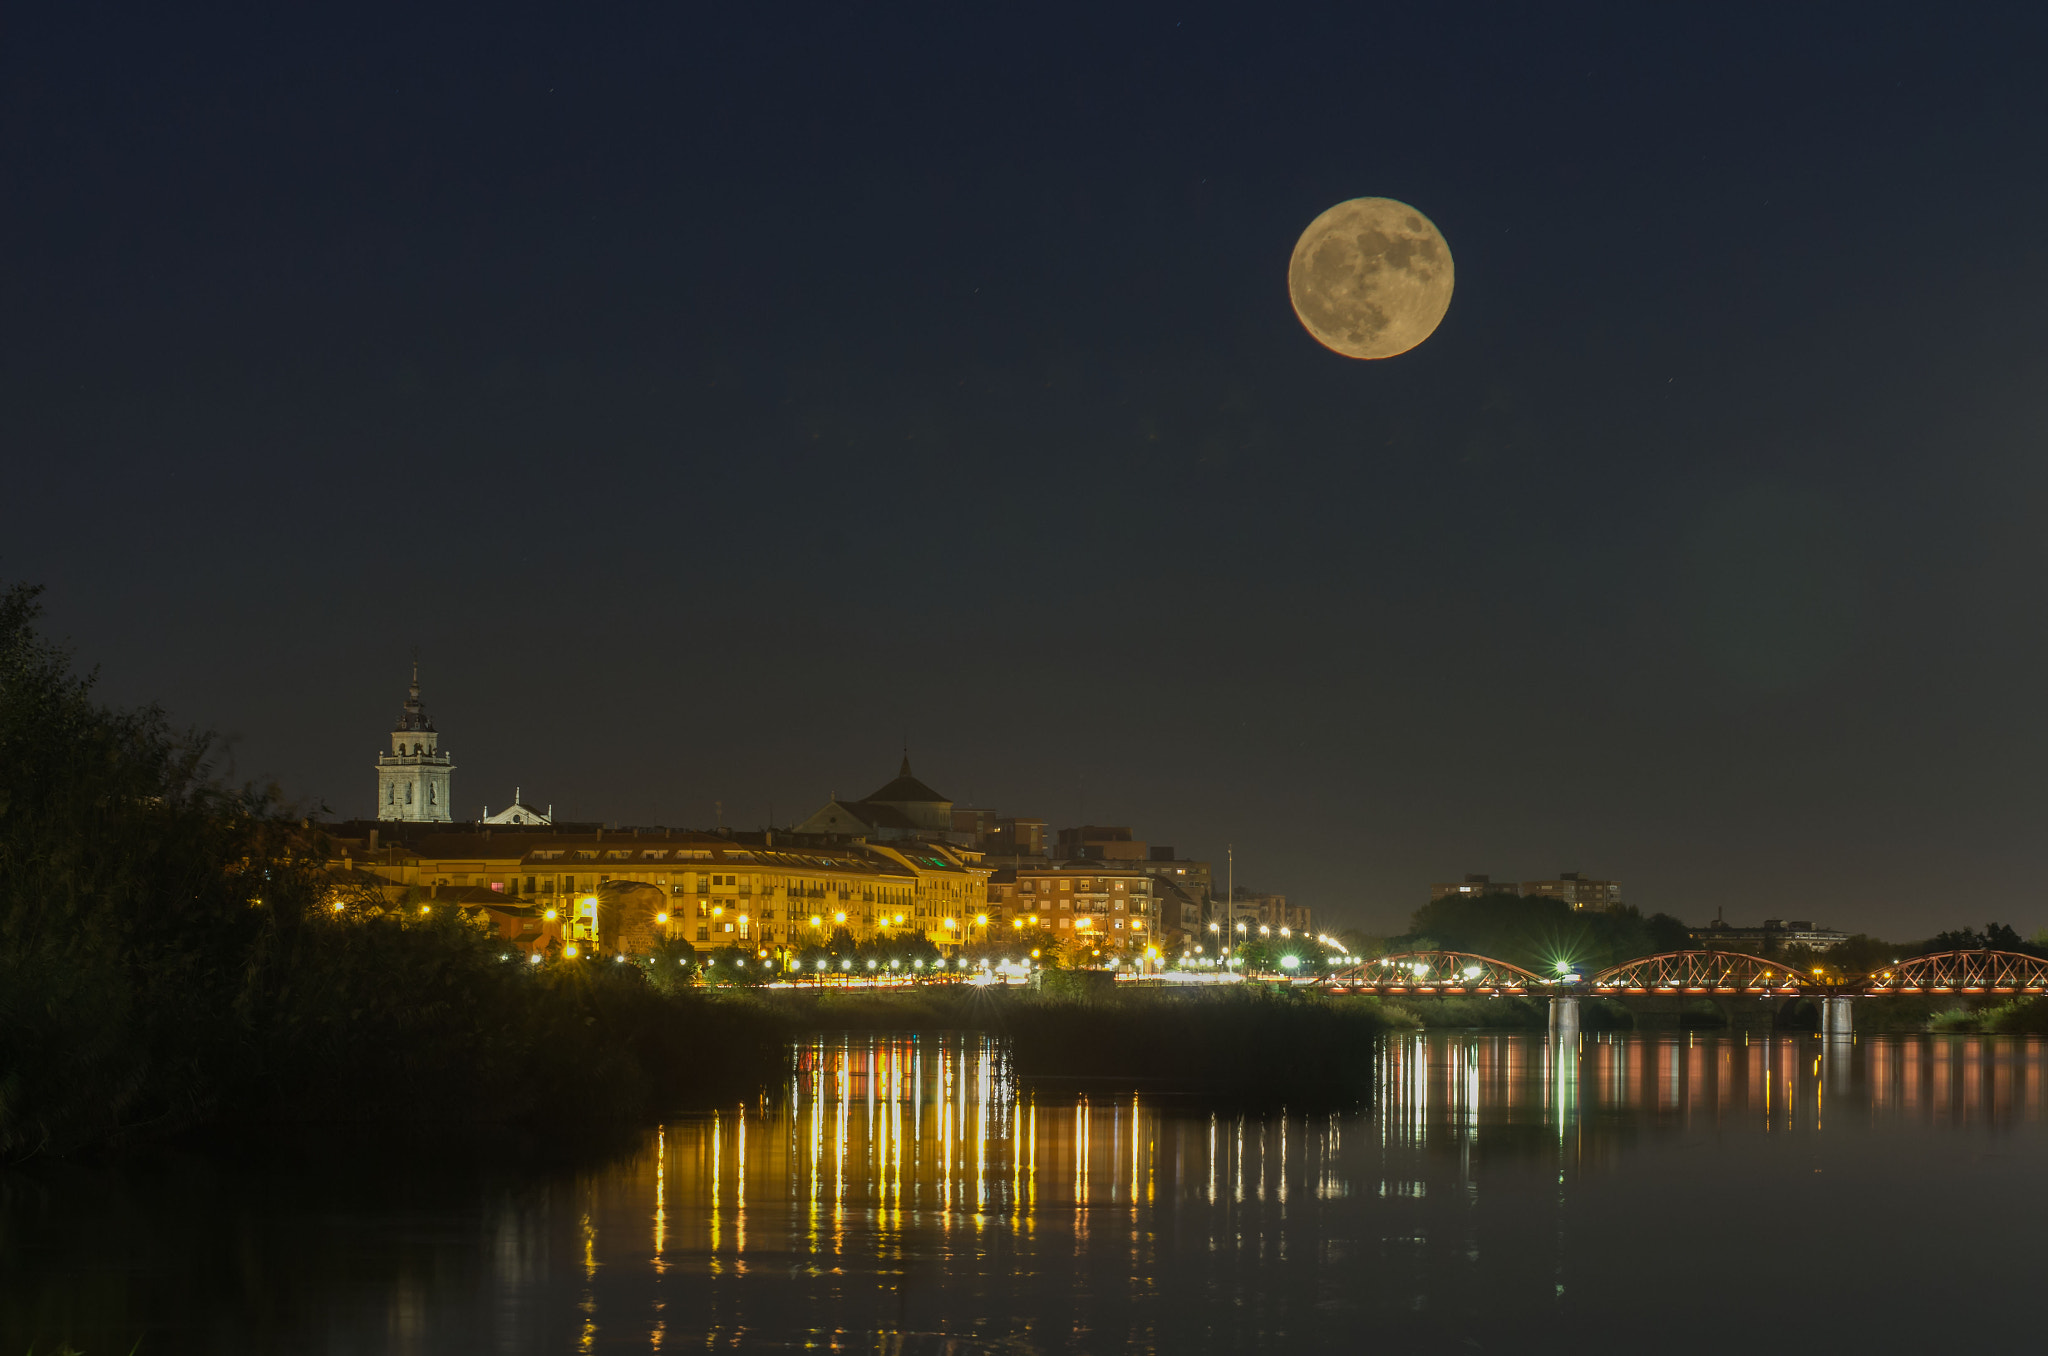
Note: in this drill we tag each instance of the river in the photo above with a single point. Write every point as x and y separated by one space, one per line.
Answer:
1666 1193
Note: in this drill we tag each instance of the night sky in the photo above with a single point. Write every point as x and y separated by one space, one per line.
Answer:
718 395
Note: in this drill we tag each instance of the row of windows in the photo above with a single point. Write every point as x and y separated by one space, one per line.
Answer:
1067 885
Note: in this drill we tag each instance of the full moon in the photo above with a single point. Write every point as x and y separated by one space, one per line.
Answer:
1370 278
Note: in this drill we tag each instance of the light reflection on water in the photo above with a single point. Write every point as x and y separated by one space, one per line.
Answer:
907 1193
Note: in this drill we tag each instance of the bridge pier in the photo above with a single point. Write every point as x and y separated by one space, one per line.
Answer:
1835 1017
1564 1017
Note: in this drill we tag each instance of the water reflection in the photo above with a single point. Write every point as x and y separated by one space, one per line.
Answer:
905 1192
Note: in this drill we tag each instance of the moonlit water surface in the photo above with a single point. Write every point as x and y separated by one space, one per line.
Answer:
906 1194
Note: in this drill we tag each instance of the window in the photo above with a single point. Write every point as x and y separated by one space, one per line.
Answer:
703 934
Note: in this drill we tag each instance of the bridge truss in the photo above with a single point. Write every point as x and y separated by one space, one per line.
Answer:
1703 972
1440 973
1681 973
1957 972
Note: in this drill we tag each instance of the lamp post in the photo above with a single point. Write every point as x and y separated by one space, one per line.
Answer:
1229 900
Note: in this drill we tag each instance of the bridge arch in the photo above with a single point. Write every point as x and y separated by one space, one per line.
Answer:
1703 972
1984 971
1438 972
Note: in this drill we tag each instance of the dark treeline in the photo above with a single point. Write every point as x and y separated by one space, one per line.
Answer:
169 957
1538 932
174 954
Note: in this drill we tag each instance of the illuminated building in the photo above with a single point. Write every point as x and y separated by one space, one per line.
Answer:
612 887
412 780
1084 903
519 812
1768 937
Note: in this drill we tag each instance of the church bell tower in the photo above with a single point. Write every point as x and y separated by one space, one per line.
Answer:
412 780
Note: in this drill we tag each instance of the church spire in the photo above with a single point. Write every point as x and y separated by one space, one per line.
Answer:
415 717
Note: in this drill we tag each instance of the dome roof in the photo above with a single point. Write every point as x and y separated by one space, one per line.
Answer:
906 789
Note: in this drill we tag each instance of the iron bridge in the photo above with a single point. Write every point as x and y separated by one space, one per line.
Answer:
1689 973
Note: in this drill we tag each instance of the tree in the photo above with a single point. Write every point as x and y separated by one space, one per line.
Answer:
1535 932
736 965
1995 936
148 914
1362 944
670 963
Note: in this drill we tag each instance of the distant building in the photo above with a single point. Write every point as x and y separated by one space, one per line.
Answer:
973 826
1094 843
519 812
1258 910
1771 935
905 808
1185 873
1471 885
412 780
1581 892
1016 837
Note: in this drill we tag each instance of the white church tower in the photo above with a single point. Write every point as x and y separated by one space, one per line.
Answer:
412 780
